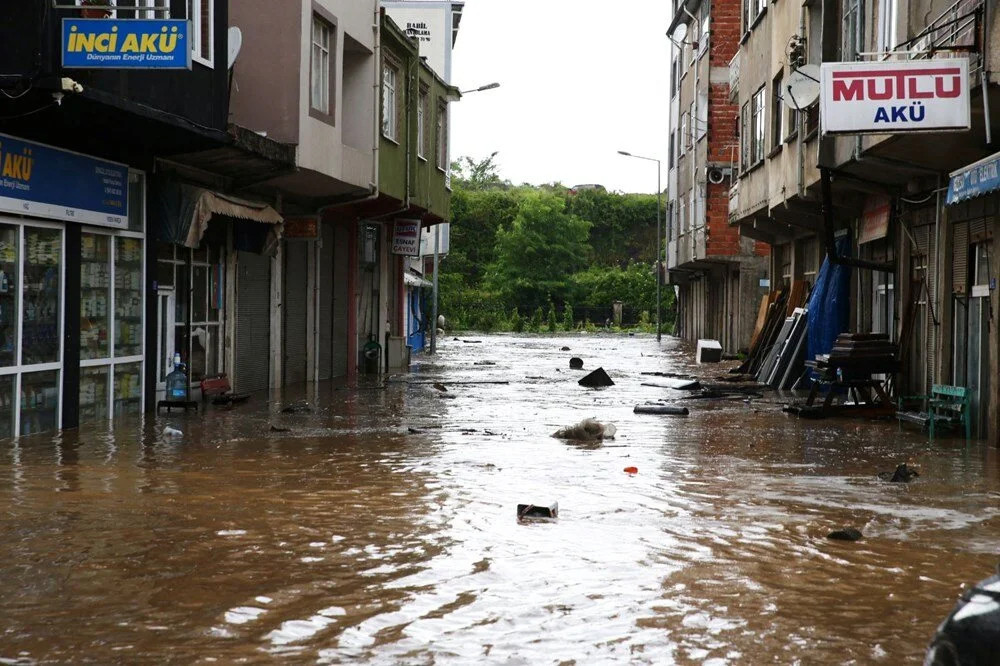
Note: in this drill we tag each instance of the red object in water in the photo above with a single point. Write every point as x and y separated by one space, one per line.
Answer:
631 470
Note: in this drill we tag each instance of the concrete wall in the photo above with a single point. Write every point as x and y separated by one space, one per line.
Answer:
270 51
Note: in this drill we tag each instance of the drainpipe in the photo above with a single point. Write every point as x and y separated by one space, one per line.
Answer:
800 118
831 245
985 74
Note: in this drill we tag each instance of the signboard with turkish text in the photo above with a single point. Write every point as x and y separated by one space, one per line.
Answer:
875 218
975 180
300 227
891 96
126 44
406 238
40 180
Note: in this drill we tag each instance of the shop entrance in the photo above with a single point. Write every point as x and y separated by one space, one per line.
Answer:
165 343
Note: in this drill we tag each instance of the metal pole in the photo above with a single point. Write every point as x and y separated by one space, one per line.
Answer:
434 298
659 252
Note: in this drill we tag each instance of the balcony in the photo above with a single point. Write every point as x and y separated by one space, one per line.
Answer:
734 77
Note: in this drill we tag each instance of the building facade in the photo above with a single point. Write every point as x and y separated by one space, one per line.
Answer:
715 271
921 244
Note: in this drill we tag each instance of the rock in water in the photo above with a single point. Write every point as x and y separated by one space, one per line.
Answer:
902 474
597 378
587 430
846 534
565 349
576 363
440 387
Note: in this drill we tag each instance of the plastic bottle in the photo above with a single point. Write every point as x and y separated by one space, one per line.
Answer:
177 383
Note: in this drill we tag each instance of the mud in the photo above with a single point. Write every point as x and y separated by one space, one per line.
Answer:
381 526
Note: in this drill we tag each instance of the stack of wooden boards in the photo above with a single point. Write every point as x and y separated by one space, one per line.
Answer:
777 347
861 354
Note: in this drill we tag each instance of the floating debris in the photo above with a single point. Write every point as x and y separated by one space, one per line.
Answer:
587 430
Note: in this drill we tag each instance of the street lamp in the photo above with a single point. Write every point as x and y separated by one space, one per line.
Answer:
659 250
437 239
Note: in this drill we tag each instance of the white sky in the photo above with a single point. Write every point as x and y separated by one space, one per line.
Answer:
580 80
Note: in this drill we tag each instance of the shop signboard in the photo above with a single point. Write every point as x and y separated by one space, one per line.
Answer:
126 44
892 96
40 180
875 219
975 180
306 228
406 238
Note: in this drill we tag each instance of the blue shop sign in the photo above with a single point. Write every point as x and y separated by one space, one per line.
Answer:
975 180
40 180
126 44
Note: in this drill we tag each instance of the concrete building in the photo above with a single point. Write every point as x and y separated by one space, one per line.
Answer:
716 272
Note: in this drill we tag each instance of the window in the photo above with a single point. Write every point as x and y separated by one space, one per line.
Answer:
201 14
703 40
675 76
670 150
701 121
751 10
422 143
442 135
682 139
390 77
888 12
745 136
319 98
777 112
758 118
853 29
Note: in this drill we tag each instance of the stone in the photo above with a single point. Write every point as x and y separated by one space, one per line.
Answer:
708 351
576 363
564 349
275 428
596 379
846 534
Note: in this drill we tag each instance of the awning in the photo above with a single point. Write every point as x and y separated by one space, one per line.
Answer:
411 279
975 180
183 213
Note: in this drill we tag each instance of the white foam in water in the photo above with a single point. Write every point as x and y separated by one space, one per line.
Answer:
243 614
231 532
298 630
263 600
332 611
309 560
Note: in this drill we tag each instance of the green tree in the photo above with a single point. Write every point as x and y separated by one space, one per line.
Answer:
539 251
568 323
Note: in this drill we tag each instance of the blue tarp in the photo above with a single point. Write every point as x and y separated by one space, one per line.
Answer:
829 307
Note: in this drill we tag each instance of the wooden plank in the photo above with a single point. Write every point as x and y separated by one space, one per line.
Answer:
796 297
761 319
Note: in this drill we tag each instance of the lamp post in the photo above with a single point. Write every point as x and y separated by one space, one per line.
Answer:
659 249
437 237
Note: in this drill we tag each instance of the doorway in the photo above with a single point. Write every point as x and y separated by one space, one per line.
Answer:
165 339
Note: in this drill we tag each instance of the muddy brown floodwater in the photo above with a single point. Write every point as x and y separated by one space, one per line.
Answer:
350 538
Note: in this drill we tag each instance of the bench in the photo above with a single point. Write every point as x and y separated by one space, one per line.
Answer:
946 406
219 390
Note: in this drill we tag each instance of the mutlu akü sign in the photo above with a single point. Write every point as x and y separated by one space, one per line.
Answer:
895 96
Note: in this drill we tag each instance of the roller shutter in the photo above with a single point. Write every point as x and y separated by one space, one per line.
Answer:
960 258
326 303
295 304
253 322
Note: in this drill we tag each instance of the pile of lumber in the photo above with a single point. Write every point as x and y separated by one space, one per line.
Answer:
776 308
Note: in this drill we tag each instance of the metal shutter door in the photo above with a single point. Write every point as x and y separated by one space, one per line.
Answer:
295 304
326 303
342 301
253 322
960 258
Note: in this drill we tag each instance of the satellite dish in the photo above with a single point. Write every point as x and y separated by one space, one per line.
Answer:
235 42
802 89
680 32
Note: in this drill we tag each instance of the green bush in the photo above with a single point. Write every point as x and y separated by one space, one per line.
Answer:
552 317
536 320
568 323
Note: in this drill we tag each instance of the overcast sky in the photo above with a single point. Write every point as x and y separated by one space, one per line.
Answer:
580 80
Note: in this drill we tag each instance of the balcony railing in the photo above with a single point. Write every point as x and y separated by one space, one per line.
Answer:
734 201
958 28
734 76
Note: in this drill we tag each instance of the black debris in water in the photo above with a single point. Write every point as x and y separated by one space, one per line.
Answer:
902 474
484 363
846 534
297 409
538 511
597 379
576 363
439 386
666 410
565 349
275 428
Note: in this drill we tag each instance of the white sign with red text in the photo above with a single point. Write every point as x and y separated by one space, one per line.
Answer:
891 96
406 238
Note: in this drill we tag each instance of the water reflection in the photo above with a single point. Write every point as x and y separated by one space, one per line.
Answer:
380 526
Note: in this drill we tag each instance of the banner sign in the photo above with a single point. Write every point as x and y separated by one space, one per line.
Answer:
406 238
875 218
36 179
891 96
126 44
301 227
975 180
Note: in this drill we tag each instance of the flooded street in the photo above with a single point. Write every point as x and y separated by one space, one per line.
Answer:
350 538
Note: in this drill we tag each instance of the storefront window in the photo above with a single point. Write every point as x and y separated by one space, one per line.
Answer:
42 267
39 401
95 297
8 295
7 404
128 297
94 392
128 388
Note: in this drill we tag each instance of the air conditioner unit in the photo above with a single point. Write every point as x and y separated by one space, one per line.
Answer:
717 175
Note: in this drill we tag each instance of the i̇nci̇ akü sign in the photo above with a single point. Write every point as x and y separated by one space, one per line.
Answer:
894 96
126 44
36 179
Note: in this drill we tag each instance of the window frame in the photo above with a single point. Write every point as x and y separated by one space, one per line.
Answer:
744 128
422 144
888 18
683 134
778 117
389 107
197 8
758 119
441 131
323 21
852 29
